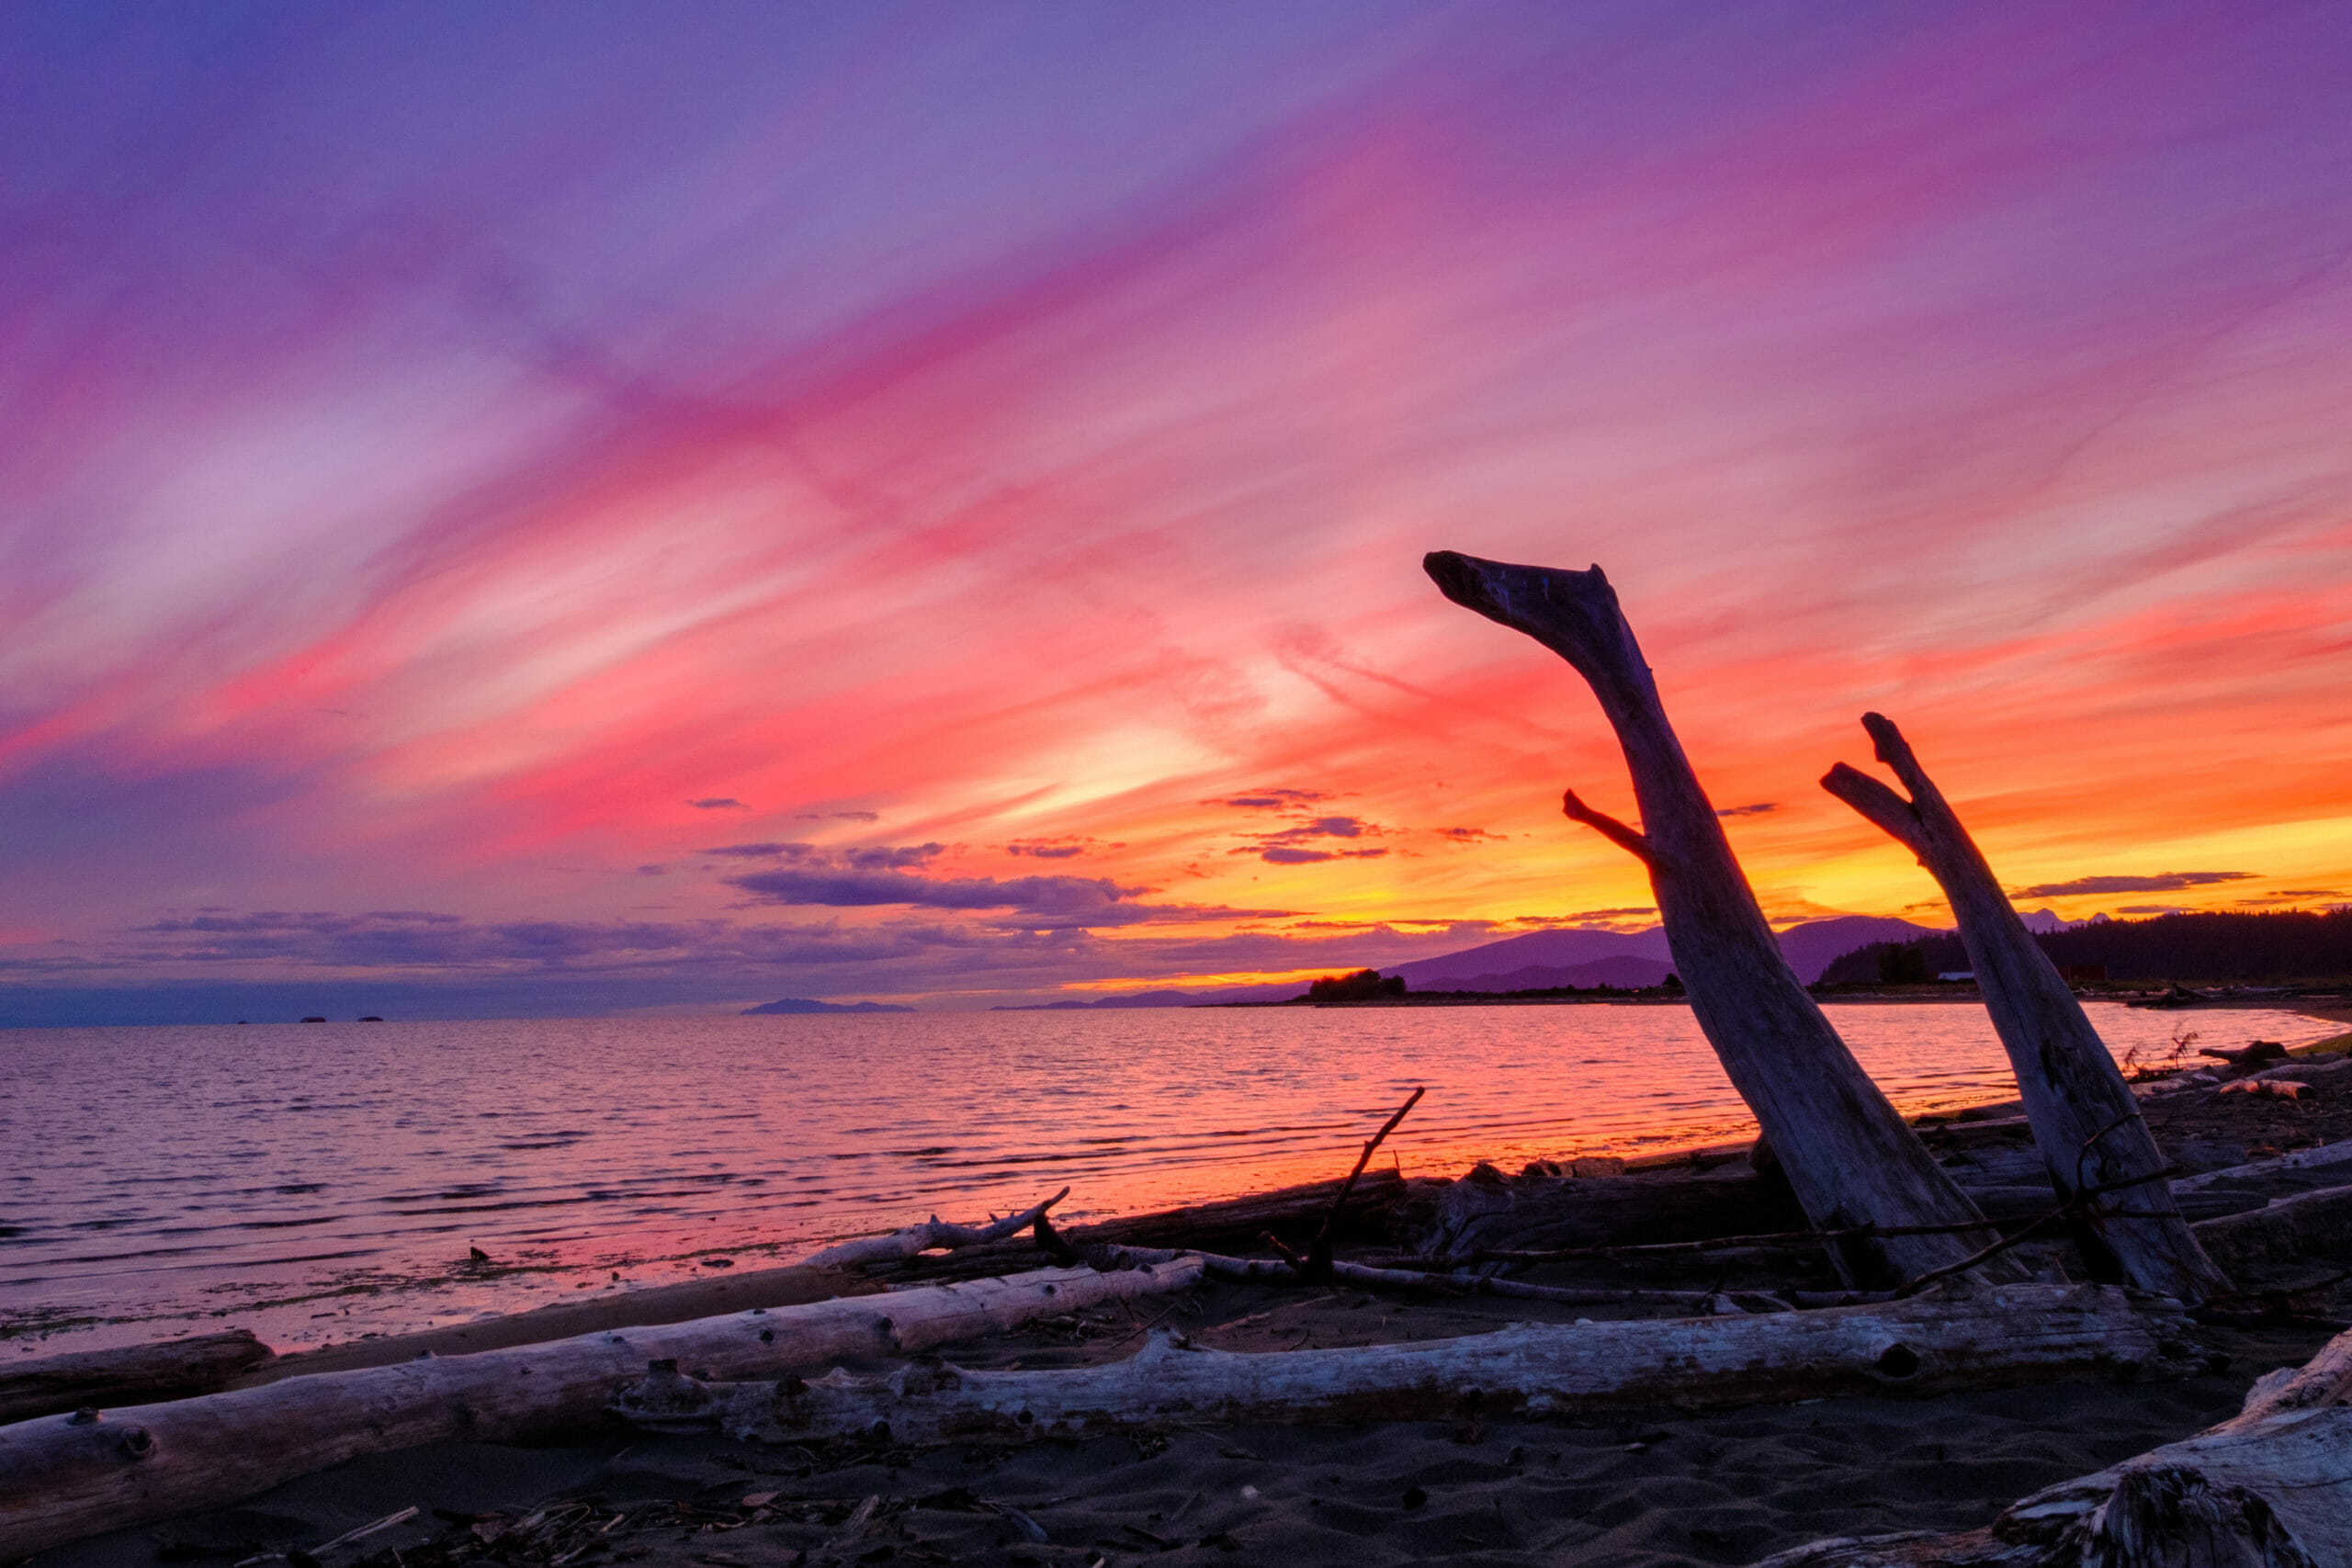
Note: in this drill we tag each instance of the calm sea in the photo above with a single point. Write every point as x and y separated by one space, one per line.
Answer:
315 1182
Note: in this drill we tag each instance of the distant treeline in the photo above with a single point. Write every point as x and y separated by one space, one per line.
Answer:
2291 945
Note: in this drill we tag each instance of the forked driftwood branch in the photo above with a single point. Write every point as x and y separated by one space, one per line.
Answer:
1857 1169
2269 1488
1315 1266
62 1478
932 1234
2070 1085
1980 1338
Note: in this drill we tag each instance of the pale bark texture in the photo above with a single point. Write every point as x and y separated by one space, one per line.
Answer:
62 1478
1987 1337
2083 1115
1850 1157
170 1370
2269 1488
933 1234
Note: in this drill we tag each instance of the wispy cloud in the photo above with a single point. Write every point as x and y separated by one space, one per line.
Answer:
719 802
2163 882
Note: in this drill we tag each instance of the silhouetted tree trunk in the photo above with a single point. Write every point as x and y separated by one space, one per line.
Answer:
2083 1114
1848 1155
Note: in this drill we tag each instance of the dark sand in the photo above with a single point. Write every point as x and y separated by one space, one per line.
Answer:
1653 1489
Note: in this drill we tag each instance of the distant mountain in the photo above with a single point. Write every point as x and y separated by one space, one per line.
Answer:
1624 971
1504 965
803 1004
1473 968
1812 947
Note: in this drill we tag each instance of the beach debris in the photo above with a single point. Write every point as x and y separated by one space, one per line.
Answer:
2285 1088
1961 1338
1315 1266
1850 1157
2248 1057
351 1546
68 1481
1280 1272
132 1375
2271 1487
931 1235
2083 1114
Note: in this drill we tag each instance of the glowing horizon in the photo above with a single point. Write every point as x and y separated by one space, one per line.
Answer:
923 504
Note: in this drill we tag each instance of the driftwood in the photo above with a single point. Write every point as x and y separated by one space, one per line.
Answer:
2282 1232
2269 1488
171 1369
2083 1114
1536 1212
1850 1157
1987 1337
934 1232
1286 1272
61 1477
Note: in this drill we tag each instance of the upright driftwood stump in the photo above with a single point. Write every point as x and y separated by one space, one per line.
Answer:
2083 1114
1848 1155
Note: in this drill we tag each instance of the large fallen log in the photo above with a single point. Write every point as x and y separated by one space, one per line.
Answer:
1488 1209
2271 1487
63 1477
2083 1114
1850 1157
1962 1338
170 1370
2306 1225
713 1295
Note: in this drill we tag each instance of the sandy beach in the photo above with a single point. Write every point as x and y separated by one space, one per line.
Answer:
1654 1488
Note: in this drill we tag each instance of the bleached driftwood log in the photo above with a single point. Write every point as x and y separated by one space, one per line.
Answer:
1274 1271
2083 1115
934 1232
169 1369
1850 1157
2271 1487
60 1478
1965 1339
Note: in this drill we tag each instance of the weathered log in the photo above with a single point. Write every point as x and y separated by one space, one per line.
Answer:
1237 1222
2278 1165
934 1232
2304 1226
2271 1487
1283 1273
714 1295
171 1369
1848 1155
1538 1212
61 1477
2083 1114
1985 1338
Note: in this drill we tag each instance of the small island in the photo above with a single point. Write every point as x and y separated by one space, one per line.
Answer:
805 1004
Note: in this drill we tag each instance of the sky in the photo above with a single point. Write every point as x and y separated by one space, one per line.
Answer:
594 507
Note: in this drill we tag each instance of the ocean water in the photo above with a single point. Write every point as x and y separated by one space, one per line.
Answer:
317 1182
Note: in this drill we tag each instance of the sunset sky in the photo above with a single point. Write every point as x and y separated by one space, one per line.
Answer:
590 507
